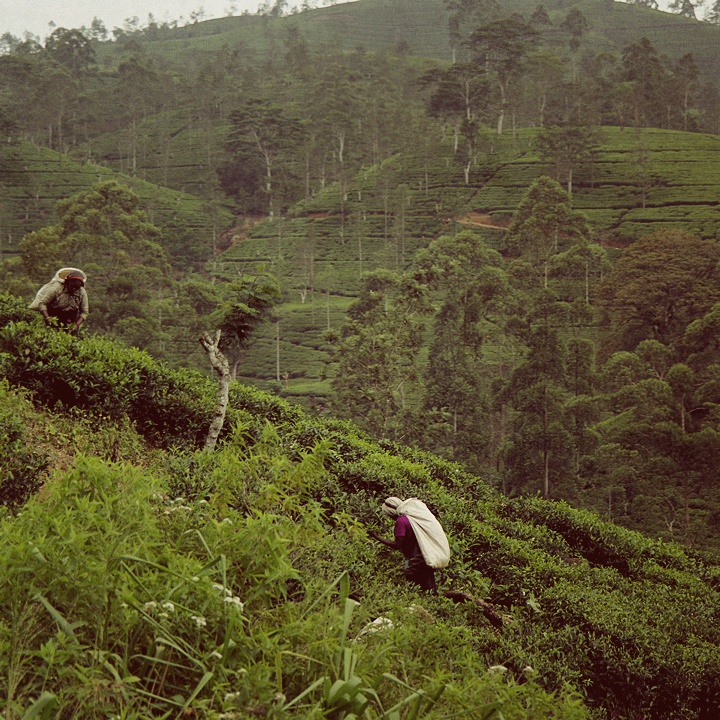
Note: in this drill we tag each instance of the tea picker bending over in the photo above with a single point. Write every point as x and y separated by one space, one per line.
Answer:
63 298
420 538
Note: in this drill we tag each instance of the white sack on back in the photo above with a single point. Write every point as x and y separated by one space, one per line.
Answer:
428 531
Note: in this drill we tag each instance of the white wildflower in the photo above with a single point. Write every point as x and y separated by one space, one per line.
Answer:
194 578
231 696
497 669
167 605
200 621
163 615
235 601
149 606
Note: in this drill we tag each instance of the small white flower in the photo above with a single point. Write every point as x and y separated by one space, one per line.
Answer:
497 669
199 620
163 615
235 601
194 578
149 606
231 696
167 605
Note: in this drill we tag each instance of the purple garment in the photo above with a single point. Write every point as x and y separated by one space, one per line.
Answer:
416 569
405 535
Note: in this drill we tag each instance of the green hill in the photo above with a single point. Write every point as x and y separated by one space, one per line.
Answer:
148 578
380 25
674 174
35 178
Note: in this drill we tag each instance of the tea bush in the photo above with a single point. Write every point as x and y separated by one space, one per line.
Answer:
21 465
276 518
120 601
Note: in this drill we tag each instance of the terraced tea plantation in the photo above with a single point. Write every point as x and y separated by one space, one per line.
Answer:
390 212
35 178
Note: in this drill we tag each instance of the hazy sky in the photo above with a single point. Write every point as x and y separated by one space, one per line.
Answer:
34 15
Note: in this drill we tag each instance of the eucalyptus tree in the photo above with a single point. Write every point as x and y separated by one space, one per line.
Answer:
568 147
73 50
463 15
470 289
543 227
549 389
539 450
263 137
501 48
458 98
377 353
647 76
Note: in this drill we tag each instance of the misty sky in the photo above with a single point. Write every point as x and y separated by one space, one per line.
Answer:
35 15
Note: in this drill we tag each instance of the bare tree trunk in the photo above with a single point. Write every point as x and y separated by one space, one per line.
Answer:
221 366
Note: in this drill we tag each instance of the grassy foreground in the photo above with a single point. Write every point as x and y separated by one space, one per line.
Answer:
148 579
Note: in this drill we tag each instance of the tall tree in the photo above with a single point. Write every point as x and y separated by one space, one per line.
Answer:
643 68
660 285
502 47
262 137
471 286
72 50
377 353
567 148
543 226
539 452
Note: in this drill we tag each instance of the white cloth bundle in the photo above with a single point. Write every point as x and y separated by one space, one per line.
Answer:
429 533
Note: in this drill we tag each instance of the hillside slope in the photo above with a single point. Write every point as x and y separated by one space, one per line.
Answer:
422 26
275 516
35 178
636 182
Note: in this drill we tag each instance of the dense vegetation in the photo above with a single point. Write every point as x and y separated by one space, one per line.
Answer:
150 578
495 241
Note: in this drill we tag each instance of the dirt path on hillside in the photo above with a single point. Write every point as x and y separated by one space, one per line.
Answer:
477 219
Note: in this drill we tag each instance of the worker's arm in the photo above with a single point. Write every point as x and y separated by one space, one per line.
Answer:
394 544
44 296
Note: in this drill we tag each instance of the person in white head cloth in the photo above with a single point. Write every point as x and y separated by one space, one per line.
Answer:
420 538
63 298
